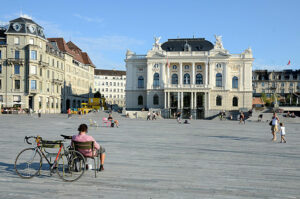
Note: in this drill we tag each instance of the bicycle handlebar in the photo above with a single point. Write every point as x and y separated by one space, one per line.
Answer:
28 137
67 137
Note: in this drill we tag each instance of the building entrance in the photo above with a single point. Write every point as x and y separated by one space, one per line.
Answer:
186 111
30 105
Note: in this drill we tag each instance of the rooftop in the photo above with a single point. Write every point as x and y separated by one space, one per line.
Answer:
187 44
110 72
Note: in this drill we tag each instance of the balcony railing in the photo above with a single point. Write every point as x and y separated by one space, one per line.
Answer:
45 64
57 81
19 61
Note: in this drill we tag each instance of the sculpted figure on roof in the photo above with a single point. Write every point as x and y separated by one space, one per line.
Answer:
156 45
219 44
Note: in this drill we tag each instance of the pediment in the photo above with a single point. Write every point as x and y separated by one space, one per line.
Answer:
155 54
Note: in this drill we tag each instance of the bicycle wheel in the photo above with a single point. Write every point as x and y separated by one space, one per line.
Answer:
70 165
28 163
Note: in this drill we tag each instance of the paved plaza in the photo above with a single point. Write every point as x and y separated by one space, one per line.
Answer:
161 159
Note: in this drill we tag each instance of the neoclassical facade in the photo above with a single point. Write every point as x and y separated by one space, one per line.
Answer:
190 75
40 73
111 84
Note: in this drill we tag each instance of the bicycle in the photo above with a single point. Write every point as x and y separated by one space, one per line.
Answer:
68 164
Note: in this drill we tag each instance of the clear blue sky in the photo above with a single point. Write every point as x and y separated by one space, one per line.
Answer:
105 29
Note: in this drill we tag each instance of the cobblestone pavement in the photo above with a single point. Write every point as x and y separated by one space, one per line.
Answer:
161 159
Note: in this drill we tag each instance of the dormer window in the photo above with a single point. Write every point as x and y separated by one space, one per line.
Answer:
186 67
199 67
218 65
174 67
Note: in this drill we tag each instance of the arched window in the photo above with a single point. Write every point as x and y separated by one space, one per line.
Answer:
174 79
174 67
235 82
219 100
199 79
156 79
140 100
141 82
235 101
155 99
186 67
186 79
219 80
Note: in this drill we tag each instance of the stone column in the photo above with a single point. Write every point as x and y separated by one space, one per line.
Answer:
163 75
165 101
181 100
193 73
168 100
195 100
206 74
192 105
178 100
180 74
168 75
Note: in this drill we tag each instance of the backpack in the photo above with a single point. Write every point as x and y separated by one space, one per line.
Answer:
112 125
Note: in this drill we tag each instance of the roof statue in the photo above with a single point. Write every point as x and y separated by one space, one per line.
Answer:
218 44
248 50
156 45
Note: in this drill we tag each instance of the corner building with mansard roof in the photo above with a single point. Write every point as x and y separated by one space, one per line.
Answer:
39 73
190 75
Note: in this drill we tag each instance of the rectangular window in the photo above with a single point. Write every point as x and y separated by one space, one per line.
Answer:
1 98
31 41
33 84
17 69
33 55
0 54
48 74
0 84
41 72
17 84
17 54
17 40
0 68
33 70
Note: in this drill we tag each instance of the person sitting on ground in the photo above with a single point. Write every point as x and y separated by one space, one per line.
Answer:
260 117
83 137
116 122
186 122
293 115
288 114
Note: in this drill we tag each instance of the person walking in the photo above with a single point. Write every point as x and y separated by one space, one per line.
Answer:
39 112
178 117
149 116
242 118
274 122
282 133
69 113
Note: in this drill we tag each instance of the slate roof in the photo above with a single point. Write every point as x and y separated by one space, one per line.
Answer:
73 50
24 27
110 72
196 44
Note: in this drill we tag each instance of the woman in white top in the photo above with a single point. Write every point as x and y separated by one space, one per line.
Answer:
274 128
282 133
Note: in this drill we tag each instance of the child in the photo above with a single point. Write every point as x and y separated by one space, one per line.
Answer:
282 133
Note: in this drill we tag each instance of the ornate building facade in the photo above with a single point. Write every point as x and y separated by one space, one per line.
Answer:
111 84
190 75
34 71
283 83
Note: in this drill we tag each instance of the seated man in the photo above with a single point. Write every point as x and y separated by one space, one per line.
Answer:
110 118
83 137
